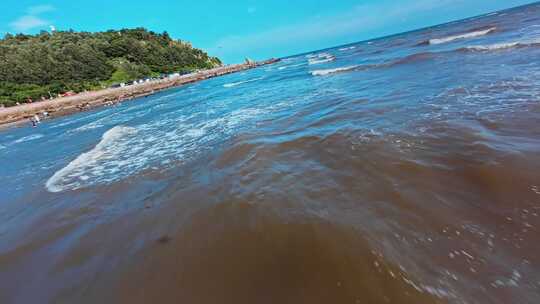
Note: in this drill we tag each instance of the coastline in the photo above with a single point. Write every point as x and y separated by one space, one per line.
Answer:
62 106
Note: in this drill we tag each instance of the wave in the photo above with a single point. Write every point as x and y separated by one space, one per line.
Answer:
334 71
28 138
233 84
347 48
503 45
423 56
76 171
319 61
460 36
290 66
404 60
412 58
125 151
321 58
319 55
89 126
71 120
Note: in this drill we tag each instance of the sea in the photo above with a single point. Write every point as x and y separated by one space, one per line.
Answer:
404 169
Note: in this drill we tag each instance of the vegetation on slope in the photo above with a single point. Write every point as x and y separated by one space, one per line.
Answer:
46 64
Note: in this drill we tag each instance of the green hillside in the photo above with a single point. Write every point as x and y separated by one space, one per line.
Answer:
50 63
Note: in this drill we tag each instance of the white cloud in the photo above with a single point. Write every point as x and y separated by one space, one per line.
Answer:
32 19
40 9
28 22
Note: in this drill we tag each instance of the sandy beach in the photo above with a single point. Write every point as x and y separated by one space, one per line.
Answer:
89 100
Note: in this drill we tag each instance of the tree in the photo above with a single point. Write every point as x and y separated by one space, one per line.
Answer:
33 65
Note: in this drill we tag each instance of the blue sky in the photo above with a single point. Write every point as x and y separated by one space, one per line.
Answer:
235 29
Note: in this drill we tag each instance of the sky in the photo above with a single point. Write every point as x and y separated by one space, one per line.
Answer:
237 29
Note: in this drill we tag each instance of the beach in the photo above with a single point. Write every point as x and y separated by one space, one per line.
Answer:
84 101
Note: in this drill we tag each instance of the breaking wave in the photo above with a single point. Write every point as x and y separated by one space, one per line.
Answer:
234 84
321 58
334 71
461 36
290 66
347 48
91 163
124 151
319 61
399 61
504 45
28 138
424 56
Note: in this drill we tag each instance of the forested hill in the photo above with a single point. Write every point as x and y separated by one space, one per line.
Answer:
50 63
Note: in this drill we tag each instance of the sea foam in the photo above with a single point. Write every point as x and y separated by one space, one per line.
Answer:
319 61
28 138
504 45
124 151
333 71
88 164
321 58
462 36
290 66
234 84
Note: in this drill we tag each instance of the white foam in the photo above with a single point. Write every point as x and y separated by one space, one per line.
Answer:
462 36
125 151
319 61
87 127
440 293
513 281
28 138
492 47
98 123
333 71
71 120
321 58
347 48
195 132
504 45
290 66
115 118
86 165
233 84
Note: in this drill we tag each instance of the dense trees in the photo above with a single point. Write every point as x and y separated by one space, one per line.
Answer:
32 66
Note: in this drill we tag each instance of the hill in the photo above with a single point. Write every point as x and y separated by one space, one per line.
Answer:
46 64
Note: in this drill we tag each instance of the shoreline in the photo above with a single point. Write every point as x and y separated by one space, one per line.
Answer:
62 106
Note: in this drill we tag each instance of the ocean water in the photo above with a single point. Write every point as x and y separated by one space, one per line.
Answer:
399 170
